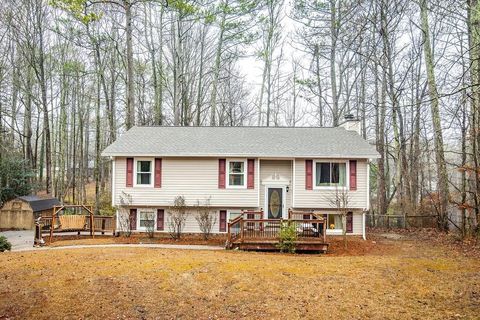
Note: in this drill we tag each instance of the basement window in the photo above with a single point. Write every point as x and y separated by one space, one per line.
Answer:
146 220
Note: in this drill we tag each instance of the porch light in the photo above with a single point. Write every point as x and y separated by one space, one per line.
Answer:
288 188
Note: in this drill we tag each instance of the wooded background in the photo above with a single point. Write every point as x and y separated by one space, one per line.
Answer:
74 74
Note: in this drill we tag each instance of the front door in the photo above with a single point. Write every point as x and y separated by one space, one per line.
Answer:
275 203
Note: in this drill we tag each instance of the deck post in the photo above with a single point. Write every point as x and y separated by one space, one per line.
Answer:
52 224
324 230
92 227
280 229
229 235
241 230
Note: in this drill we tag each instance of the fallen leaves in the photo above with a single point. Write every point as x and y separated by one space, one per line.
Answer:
396 279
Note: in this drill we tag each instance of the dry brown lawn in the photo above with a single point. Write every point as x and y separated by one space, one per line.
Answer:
392 280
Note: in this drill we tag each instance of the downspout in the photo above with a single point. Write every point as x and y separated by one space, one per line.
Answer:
293 187
117 225
363 227
258 183
113 180
368 201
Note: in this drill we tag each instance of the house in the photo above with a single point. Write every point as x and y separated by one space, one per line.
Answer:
273 169
21 212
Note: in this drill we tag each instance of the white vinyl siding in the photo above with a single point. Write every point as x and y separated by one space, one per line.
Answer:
321 198
191 224
270 170
195 179
357 223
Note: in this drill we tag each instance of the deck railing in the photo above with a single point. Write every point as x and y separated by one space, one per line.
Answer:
242 228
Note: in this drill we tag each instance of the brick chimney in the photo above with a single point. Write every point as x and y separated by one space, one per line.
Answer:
351 123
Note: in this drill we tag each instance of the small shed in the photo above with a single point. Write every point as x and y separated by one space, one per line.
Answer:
21 212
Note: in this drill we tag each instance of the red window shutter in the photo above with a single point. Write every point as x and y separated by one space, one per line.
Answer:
223 221
133 219
308 174
158 172
129 172
353 174
221 173
251 174
160 219
349 222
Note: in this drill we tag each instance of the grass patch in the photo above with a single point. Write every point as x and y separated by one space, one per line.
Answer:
393 280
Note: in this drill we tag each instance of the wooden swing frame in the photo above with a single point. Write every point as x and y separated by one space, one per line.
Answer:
57 209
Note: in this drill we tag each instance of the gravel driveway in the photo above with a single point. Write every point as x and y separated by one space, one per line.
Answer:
20 240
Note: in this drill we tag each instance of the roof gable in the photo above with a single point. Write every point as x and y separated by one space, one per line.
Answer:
286 142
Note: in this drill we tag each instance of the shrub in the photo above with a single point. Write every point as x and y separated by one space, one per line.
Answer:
4 244
150 225
288 236
177 218
123 215
205 219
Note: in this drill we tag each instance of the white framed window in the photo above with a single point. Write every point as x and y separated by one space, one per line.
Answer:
328 174
236 174
143 172
146 219
334 222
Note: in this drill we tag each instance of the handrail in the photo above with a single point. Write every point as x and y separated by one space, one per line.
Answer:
238 221
235 220
241 228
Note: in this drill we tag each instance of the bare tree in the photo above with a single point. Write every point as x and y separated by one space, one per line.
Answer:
340 201
205 218
177 217
123 214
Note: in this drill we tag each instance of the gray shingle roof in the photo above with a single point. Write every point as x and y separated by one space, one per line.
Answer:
40 204
242 142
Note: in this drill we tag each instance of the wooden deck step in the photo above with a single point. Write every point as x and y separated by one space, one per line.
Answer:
272 245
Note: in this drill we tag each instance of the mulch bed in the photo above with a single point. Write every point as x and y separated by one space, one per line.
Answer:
193 239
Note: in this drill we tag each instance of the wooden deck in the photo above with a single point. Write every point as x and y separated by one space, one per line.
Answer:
250 232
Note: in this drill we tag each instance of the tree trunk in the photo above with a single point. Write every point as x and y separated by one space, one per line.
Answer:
200 77
319 85
333 61
43 91
130 114
442 184
216 68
